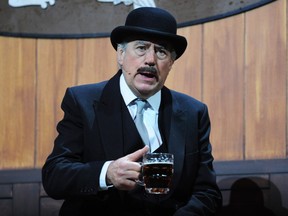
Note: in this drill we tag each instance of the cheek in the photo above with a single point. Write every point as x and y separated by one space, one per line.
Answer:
164 71
130 64
165 68
166 64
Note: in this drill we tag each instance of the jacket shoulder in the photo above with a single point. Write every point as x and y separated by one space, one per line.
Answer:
88 87
93 90
186 100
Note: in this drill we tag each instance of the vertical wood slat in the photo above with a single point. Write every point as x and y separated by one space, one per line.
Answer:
57 60
6 203
6 206
185 75
223 80
266 68
17 110
23 206
277 197
49 206
97 60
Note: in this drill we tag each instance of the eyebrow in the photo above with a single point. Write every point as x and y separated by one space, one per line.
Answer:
157 45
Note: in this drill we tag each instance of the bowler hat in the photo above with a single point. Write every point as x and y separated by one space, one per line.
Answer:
151 23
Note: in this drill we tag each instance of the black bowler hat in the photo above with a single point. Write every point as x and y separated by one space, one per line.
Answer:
152 23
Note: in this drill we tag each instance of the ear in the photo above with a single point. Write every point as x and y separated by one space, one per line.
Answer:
171 64
120 56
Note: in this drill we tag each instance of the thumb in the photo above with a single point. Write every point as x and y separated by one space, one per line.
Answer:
138 154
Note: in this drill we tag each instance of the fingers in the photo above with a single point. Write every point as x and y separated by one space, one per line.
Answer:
138 154
123 172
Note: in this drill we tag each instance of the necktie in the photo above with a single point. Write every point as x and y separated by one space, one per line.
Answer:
139 121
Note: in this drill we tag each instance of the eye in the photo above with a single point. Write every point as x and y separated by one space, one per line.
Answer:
140 49
161 53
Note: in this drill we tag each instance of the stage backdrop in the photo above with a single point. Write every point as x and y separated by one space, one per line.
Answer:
92 18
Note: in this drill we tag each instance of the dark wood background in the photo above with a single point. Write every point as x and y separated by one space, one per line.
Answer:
253 187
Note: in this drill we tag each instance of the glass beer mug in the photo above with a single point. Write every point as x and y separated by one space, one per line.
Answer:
157 172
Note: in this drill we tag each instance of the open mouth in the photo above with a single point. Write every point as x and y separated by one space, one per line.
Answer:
148 74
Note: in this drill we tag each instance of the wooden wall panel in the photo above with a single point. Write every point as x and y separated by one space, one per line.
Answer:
223 80
17 109
64 63
97 60
57 61
266 74
185 75
236 65
23 205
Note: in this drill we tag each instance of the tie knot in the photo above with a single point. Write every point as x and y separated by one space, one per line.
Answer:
140 105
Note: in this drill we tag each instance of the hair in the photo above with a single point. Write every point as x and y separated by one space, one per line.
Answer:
122 45
173 54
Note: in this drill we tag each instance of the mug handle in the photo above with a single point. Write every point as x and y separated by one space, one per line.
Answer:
140 180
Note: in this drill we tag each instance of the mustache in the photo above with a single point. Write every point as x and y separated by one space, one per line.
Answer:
148 69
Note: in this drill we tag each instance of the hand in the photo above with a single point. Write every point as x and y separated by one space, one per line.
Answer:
123 172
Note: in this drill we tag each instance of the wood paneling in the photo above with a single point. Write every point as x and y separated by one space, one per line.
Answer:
17 110
22 205
57 61
236 65
260 180
185 75
97 60
223 84
265 80
22 193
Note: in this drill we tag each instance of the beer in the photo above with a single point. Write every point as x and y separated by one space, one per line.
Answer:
157 177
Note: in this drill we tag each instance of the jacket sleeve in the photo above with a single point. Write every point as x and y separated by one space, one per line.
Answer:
206 198
65 173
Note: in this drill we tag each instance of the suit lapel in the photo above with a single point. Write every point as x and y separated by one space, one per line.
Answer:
174 130
109 112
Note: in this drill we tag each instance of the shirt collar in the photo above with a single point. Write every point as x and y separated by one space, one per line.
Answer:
128 95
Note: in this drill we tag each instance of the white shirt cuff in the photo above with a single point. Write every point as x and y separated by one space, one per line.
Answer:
102 180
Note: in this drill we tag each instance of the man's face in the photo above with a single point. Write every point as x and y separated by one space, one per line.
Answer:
145 66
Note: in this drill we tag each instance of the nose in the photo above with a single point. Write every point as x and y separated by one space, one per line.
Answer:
150 57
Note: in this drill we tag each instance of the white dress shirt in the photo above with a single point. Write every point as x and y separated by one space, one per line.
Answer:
150 116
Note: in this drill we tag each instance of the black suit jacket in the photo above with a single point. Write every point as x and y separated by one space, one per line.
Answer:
97 127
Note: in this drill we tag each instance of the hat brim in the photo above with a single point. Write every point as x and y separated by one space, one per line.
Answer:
122 33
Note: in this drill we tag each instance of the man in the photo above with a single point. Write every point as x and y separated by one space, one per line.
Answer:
94 165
